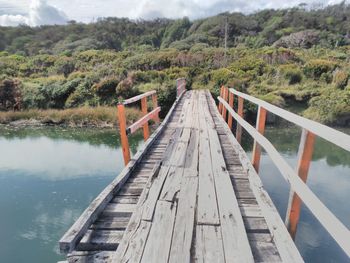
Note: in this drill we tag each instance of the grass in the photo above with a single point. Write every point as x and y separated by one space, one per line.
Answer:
83 116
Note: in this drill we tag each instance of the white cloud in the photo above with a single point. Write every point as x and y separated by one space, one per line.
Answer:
47 11
40 13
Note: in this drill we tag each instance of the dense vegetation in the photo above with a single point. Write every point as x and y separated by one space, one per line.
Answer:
293 58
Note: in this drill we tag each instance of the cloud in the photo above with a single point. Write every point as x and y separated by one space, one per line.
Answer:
203 8
40 13
47 12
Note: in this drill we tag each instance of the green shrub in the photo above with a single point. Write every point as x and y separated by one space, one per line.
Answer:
330 107
221 76
316 67
291 73
340 79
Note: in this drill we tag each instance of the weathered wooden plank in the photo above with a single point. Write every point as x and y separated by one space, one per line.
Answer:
208 245
122 199
136 244
264 250
110 223
184 222
137 230
176 158
173 181
235 241
100 240
122 210
207 212
255 225
159 240
90 257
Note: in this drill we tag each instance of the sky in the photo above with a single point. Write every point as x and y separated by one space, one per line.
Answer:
42 12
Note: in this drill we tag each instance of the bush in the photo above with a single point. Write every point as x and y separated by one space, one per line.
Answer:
315 68
330 107
221 76
340 79
291 73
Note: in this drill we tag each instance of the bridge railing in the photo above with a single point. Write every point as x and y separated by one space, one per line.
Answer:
299 192
142 122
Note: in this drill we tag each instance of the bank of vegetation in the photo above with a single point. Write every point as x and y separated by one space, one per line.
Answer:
294 58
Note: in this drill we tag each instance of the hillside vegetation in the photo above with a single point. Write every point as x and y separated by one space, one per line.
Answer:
293 58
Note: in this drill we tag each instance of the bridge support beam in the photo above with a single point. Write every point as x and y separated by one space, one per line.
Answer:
305 152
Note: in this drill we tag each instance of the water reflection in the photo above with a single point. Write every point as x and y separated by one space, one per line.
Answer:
48 176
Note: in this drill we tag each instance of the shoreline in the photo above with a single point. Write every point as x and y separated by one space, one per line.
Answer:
97 117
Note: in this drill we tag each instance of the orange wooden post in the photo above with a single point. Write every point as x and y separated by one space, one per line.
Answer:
240 113
260 127
123 135
230 102
144 112
224 110
221 95
155 105
305 152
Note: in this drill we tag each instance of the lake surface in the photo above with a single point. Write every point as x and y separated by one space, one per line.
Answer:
48 176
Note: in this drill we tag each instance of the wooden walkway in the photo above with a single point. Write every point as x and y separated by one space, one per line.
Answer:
186 197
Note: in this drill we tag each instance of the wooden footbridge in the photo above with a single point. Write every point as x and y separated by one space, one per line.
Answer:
192 195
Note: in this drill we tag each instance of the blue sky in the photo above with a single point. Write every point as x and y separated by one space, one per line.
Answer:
38 12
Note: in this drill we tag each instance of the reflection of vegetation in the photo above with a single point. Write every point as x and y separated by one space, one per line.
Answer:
333 154
286 141
83 116
108 137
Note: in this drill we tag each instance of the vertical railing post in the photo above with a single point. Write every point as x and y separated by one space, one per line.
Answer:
240 113
260 127
155 105
305 152
224 110
123 135
221 95
144 112
230 102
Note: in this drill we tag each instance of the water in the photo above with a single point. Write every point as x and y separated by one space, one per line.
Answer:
48 176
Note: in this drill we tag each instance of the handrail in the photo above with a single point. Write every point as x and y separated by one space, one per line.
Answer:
336 137
139 97
138 124
142 122
331 223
